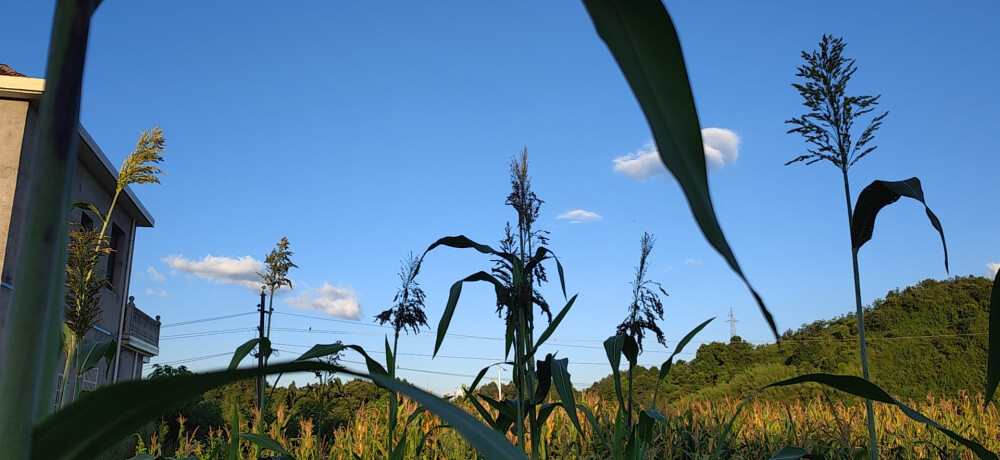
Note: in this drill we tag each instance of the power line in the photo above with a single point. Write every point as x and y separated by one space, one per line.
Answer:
207 333
184 323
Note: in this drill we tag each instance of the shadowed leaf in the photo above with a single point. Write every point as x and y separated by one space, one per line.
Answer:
265 442
642 39
561 380
880 194
242 351
453 295
124 406
993 357
552 326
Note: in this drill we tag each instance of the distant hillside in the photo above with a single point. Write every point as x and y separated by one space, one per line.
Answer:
930 337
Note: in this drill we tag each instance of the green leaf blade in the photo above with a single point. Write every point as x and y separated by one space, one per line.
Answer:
880 194
993 353
242 351
644 43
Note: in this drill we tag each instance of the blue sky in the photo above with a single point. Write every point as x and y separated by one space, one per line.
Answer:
363 132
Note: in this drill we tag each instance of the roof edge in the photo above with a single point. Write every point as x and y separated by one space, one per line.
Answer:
22 87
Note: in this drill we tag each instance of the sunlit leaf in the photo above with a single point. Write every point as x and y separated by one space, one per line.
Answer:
880 194
860 387
644 43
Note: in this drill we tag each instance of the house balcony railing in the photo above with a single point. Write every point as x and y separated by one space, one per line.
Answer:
141 333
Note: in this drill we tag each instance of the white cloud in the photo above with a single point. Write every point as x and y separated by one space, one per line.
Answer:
338 302
642 164
993 267
160 293
242 271
692 262
721 149
577 216
154 274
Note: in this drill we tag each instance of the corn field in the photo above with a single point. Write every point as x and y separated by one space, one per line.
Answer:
829 427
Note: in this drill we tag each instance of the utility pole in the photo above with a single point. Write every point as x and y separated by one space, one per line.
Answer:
499 385
732 324
260 355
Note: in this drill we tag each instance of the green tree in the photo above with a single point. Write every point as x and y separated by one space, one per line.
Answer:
828 127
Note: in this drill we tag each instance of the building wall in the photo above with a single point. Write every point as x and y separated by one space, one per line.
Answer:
18 140
17 123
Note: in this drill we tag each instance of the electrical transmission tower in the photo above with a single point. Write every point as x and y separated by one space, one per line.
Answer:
732 323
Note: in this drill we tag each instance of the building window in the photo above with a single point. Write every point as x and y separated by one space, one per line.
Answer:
116 242
89 380
86 222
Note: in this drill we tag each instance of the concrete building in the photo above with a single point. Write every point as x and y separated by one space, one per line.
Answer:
95 179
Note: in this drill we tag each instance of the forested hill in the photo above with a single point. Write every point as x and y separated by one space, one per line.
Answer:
930 337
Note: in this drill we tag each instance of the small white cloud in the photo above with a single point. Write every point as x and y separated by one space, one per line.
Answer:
242 271
160 293
577 216
721 149
642 164
154 274
338 302
692 262
993 267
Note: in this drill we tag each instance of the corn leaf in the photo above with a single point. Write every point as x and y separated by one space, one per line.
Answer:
561 380
665 368
90 207
613 348
858 386
266 442
552 326
243 350
453 295
880 194
790 453
993 356
642 39
462 242
91 352
124 406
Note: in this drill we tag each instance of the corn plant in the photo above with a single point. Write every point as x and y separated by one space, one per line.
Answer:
828 129
406 315
518 268
644 42
84 280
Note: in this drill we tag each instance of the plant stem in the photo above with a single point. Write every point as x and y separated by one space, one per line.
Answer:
869 409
